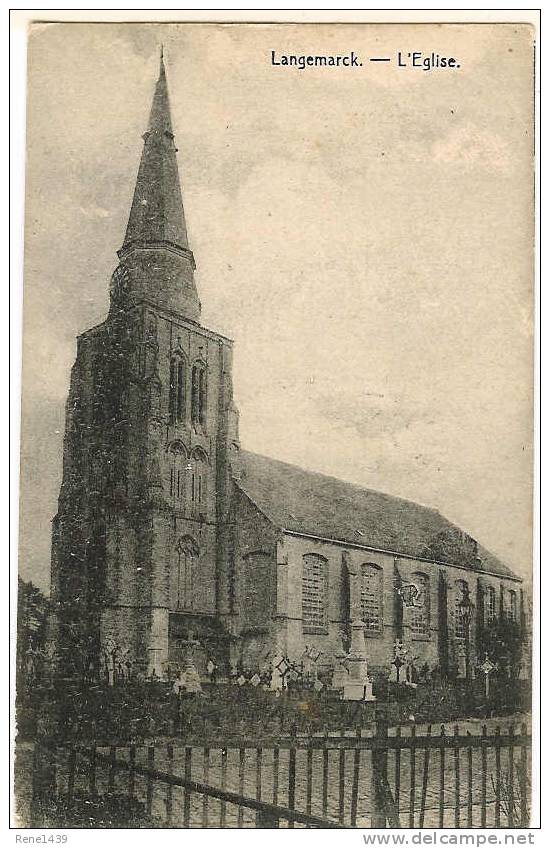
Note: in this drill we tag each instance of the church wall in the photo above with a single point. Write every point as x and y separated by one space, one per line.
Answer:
396 623
127 627
254 584
331 642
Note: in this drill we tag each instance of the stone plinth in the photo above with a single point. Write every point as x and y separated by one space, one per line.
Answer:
358 686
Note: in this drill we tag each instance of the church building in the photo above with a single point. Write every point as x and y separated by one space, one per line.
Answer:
167 527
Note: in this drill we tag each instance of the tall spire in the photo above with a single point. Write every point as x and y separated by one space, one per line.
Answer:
156 226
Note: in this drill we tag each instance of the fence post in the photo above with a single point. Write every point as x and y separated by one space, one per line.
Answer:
292 772
266 819
379 773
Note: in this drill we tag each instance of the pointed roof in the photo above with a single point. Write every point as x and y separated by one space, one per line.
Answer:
312 504
156 216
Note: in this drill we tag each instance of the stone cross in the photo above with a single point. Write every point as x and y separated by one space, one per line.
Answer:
487 667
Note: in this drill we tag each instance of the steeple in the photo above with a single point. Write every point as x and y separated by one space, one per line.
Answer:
156 250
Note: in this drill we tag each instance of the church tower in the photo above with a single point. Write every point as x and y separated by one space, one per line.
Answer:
140 546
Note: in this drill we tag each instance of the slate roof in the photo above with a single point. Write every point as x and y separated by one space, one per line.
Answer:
157 214
307 502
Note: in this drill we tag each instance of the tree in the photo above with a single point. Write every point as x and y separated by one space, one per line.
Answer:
32 608
502 641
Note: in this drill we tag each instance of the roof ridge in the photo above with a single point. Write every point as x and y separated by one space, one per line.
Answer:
359 486
309 502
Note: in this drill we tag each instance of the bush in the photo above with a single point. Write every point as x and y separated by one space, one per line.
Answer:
135 712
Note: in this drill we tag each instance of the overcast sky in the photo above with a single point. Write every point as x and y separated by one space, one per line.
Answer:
365 236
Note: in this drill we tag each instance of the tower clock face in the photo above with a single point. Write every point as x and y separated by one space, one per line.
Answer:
120 284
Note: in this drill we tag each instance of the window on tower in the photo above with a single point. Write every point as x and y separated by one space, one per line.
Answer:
177 390
199 476
198 394
187 553
178 463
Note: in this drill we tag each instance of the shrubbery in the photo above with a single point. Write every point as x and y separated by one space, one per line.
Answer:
145 711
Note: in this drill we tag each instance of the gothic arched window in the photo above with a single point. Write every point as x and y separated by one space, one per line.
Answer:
198 394
187 552
314 592
371 597
461 625
178 464
420 612
490 604
199 476
176 402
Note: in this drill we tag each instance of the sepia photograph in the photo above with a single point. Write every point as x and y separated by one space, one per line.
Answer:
275 563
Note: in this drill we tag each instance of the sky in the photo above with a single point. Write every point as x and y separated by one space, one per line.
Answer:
365 235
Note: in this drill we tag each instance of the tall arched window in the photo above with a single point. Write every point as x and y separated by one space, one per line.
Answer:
314 592
177 390
461 591
490 604
187 553
177 463
199 478
198 394
513 606
420 612
371 596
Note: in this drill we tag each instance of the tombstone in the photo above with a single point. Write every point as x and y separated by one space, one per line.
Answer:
358 686
191 681
340 672
398 661
124 664
487 668
279 673
411 674
178 683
